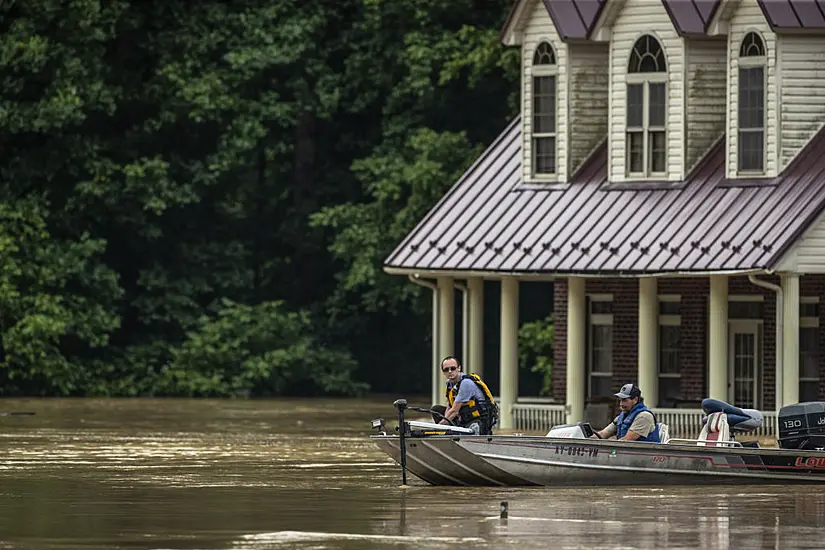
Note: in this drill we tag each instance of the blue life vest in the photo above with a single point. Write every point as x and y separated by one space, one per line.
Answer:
626 419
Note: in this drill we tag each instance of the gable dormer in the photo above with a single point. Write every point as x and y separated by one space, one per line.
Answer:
752 114
647 106
564 87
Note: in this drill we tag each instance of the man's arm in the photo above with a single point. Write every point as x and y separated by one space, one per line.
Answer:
606 432
464 394
452 412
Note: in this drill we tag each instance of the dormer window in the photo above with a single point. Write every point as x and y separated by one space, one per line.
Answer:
646 109
751 108
544 75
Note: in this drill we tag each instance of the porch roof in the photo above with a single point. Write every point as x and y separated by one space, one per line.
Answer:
691 16
490 221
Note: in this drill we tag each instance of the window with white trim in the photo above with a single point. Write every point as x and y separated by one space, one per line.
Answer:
670 334
600 349
543 143
647 109
809 349
751 104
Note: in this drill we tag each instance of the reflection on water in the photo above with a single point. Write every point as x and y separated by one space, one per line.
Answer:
302 474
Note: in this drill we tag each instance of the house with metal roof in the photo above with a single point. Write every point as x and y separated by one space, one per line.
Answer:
667 173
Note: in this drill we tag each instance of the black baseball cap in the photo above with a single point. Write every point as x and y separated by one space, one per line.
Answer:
629 391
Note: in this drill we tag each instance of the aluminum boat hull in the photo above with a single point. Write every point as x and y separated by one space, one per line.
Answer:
536 460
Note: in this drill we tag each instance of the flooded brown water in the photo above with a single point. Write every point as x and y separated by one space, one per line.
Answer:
302 474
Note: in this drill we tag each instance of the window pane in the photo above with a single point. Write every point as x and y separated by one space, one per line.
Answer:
669 308
751 98
635 105
601 306
808 391
601 386
635 151
807 309
544 104
670 391
656 118
602 346
658 151
809 352
751 150
544 155
745 310
669 349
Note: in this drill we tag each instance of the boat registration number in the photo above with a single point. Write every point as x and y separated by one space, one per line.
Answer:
573 450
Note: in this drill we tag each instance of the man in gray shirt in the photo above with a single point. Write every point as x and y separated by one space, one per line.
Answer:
635 423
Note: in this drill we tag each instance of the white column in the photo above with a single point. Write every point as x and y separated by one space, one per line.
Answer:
576 342
718 375
446 324
475 355
436 388
790 339
509 351
648 340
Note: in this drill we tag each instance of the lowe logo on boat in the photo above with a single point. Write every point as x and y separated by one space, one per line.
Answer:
811 462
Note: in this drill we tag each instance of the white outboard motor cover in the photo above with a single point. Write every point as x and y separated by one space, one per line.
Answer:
572 431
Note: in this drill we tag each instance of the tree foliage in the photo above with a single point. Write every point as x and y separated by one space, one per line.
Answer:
197 196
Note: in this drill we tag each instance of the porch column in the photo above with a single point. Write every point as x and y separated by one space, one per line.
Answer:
790 339
648 340
475 354
574 407
508 387
446 323
718 375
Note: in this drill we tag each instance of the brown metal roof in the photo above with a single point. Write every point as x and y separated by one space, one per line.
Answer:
691 17
574 18
794 14
491 221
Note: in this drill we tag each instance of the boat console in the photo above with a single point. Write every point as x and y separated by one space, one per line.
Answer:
579 430
802 426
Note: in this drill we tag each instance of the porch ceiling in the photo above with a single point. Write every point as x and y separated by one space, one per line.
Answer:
490 221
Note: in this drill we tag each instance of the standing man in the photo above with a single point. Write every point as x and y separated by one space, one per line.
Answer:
471 405
635 423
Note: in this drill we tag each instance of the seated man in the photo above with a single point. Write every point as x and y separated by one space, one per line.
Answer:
635 423
471 404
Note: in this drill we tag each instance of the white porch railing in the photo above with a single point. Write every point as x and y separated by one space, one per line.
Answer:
684 423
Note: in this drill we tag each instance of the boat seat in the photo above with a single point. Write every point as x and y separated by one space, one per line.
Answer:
715 430
664 433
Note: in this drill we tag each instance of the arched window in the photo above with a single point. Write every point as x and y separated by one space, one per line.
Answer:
751 104
647 109
544 110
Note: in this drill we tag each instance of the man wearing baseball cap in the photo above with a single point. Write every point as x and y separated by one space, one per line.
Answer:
636 422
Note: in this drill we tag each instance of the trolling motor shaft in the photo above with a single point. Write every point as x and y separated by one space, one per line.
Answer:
401 404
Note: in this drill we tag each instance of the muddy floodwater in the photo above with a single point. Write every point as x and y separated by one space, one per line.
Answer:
302 474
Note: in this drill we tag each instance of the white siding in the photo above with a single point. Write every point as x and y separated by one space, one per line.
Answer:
749 17
539 29
808 254
706 89
802 89
641 17
588 114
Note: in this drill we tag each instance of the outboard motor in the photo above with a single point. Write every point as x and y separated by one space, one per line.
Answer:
802 426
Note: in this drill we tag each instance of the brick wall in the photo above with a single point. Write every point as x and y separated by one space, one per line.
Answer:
693 354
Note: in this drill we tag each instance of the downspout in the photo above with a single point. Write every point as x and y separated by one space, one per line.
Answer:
434 385
465 320
780 330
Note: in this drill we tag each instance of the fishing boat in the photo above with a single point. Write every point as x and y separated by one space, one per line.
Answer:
441 454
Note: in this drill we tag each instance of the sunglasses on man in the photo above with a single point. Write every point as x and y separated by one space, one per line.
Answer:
449 369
